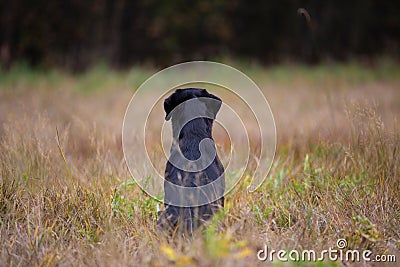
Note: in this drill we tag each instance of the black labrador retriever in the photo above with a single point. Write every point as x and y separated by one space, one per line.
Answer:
193 162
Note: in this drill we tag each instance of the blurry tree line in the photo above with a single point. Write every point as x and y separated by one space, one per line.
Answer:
77 33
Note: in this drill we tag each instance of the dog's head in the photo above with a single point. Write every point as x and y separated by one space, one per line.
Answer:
209 107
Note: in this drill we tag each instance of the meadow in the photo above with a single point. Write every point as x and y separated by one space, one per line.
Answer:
67 197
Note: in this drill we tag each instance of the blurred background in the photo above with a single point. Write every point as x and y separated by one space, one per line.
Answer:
75 34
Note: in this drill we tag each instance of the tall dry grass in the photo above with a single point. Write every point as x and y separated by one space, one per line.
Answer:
66 197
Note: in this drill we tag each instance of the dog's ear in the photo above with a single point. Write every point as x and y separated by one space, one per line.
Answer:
173 101
212 106
168 107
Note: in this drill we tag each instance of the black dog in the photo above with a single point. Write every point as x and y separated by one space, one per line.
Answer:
192 112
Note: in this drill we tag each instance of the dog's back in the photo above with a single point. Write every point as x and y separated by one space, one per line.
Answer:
187 138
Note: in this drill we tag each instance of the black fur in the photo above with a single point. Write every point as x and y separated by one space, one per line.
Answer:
187 219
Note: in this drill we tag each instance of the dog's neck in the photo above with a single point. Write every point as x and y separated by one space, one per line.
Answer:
195 130
190 137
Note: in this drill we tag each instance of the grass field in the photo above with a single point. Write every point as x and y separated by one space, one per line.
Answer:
67 198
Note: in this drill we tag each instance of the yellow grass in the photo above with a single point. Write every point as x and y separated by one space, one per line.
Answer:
67 198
